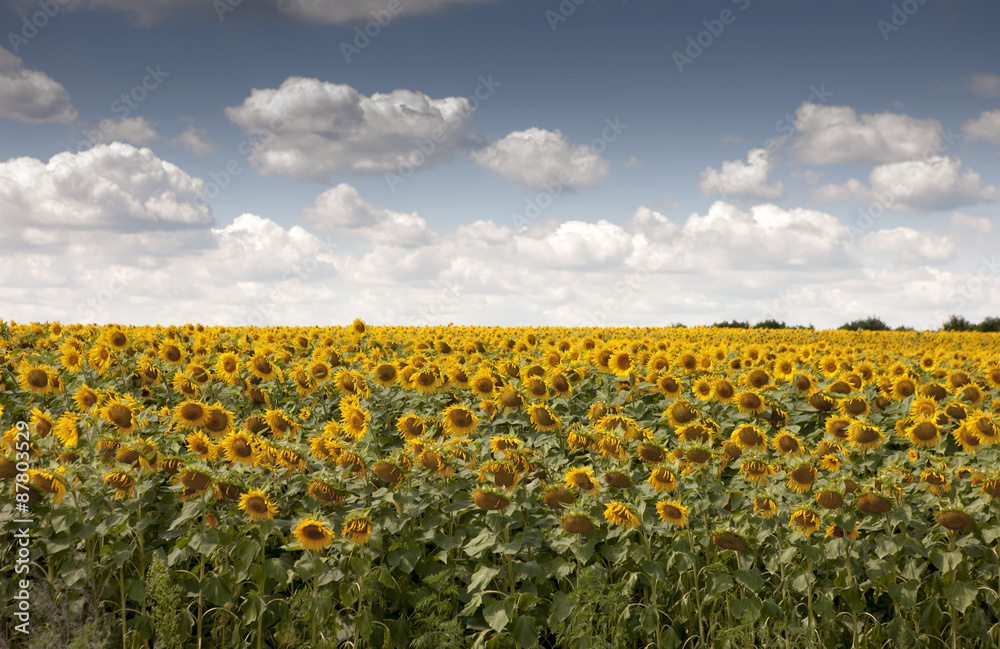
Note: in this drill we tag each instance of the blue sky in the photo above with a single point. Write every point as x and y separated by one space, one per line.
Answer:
732 183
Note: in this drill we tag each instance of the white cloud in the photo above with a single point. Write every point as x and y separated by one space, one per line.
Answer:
936 183
835 134
541 159
342 209
961 221
129 129
314 129
985 128
748 179
111 186
985 85
194 140
907 246
31 95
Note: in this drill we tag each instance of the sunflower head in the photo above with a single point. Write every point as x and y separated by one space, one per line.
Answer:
489 500
577 524
255 504
729 540
955 520
313 534
672 512
621 514
358 528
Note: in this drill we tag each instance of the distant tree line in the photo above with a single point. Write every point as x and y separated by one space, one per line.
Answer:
871 323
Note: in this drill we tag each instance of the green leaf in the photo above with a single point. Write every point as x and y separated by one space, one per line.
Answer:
524 632
960 595
945 561
62 519
886 546
718 583
746 607
655 570
482 578
750 578
204 543
904 594
802 579
278 569
215 591
562 606
485 540
496 614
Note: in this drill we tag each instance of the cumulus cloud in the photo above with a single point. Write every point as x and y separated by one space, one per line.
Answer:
907 246
835 134
540 159
984 128
985 85
31 95
342 209
111 186
195 140
748 179
935 183
314 129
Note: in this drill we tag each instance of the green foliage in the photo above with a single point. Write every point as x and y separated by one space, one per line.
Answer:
167 607
870 323
732 324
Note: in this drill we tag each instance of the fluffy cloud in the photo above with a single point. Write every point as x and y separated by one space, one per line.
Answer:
985 128
314 129
541 159
935 183
748 179
835 134
194 140
985 85
111 186
30 95
911 247
341 209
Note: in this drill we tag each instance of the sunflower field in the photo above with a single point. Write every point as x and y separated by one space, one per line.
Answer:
196 487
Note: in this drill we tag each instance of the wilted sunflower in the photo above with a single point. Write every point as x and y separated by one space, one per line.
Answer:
680 413
119 412
459 420
122 482
955 520
582 479
49 482
263 367
662 479
729 540
801 478
577 523
612 447
764 506
991 487
556 497
937 482
255 504
873 503
510 398
501 474
489 500
804 520
542 418
325 493
829 499
834 531
621 514
312 534
985 428
358 529
651 453
756 470
672 512
67 430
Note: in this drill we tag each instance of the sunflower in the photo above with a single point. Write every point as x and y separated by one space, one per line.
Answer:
410 426
119 412
239 447
729 540
621 514
227 367
501 443
680 413
955 520
923 432
577 523
830 499
749 438
489 500
991 488
723 391
218 421
122 482
85 398
510 398
650 453
672 512
556 497
787 444
482 384
560 384
324 493
352 462
903 387
312 534
459 420
764 506
613 447
280 424
804 520
263 368
100 358
542 418
837 532
501 474
255 504
668 385
70 359
171 354
425 379
67 430
749 402
662 479
937 483
358 529
873 503
49 482
702 389
386 374
865 436
924 407
199 444
985 428
190 414
582 479
756 470
34 378
801 478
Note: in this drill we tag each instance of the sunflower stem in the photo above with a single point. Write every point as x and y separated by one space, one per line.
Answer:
697 592
954 611
849 585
